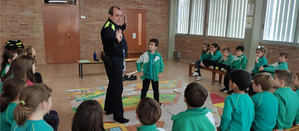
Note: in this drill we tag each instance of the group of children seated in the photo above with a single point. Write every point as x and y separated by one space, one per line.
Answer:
25 103
211 57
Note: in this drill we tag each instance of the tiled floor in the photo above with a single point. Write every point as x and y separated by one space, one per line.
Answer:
61 77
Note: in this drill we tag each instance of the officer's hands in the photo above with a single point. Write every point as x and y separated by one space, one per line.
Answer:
119 35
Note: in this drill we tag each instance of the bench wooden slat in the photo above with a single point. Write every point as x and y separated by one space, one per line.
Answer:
82 62
214 72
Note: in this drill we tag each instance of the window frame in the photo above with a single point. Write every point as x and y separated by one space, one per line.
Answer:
277 42
206 24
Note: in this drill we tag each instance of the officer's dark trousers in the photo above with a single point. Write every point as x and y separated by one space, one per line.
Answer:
113 101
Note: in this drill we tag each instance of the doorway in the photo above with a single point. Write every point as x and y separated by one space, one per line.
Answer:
135 32
61 25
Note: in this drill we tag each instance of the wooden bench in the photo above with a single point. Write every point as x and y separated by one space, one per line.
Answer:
294 128
82 62
214 72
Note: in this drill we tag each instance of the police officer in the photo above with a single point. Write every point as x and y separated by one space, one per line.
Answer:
114 45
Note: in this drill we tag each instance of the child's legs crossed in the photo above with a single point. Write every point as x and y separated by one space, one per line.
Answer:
145 85
155 85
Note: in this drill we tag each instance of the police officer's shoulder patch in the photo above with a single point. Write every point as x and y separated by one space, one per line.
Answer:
108 24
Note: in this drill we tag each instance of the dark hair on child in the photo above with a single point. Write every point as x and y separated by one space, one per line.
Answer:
10 91
21 68
21 51
7 55
30 98
155 41
285 76
240 48
285 54
195 94
110 12
226 49
264 79
241 78
216 46
88 117
207 45
261 49
148 111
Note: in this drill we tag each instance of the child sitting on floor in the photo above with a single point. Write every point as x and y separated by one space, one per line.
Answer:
288 101
238 111
196 117
265 103
148 112
88 117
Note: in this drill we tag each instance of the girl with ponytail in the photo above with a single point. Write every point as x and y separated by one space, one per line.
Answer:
35 102
9 101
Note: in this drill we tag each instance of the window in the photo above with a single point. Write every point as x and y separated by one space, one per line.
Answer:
197 17
217 18
226 18
236 20
183 16
224 22
280 20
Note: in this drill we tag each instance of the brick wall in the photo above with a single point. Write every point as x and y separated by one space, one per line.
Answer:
96 12
24 22
190 48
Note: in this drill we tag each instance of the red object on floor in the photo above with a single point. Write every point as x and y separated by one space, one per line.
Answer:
216 98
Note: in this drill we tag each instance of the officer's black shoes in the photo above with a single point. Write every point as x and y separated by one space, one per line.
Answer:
125 77
132 77
121 120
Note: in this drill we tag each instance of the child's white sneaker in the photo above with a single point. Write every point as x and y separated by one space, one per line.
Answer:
198 78
195 74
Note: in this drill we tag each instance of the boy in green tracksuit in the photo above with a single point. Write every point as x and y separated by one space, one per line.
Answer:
265 103
260 60
148 112
226 60
238 111
287 99
282 64
239 62
150 66
195 118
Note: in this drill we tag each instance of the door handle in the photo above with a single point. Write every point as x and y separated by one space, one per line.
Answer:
69 34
